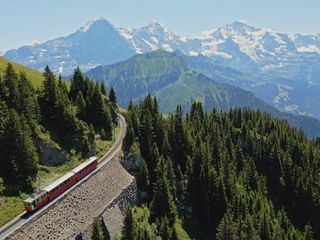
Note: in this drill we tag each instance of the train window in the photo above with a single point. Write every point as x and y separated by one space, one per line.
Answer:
26 204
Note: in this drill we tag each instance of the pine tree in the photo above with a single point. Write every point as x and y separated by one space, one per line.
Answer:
50 94
103 134
78 83
165 231
130 137
81 105
177 139
265 229
162 203
143 177
62 85
146 145
96 230
103 89
225 229
28 105
4 112
10 84
308 233
107 123
128 225
113 98
18 155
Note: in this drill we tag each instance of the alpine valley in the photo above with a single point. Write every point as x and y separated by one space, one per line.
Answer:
110 132
282 70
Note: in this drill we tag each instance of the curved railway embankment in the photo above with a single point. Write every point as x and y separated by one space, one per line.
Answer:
73 212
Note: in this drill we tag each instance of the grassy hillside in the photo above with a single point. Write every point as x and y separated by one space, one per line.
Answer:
167 76
34 76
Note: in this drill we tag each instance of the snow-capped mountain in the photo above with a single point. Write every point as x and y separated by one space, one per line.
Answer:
238 45
96 43
155 36
266 51
307 43
287 66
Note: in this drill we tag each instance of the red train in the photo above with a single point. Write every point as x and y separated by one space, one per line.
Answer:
50 192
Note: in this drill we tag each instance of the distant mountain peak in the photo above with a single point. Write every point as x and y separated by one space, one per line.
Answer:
237 27
156 27
96 23
156 24
240 24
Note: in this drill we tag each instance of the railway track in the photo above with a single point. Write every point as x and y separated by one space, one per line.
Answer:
25 217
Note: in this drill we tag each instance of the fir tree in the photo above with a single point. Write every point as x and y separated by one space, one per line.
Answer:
81 105
28 105
112 97
78 83
18 155
143 177
11 93
162 203
107 123
128 225
49 93
96 230
103 89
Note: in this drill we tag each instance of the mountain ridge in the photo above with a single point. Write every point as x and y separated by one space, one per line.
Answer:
254 42
287 66
168 76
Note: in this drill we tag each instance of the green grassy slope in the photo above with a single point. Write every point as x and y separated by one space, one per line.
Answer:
34 76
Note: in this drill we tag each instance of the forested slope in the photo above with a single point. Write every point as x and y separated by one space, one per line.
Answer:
28 116
241 174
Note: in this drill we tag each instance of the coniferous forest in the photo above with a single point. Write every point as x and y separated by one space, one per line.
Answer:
240 174
71 113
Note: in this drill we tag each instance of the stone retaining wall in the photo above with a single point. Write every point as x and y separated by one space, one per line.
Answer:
111 217
74 213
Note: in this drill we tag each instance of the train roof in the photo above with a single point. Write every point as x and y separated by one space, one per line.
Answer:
34 196
59 181
84 164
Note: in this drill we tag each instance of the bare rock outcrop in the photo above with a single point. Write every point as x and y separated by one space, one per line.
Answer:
49 154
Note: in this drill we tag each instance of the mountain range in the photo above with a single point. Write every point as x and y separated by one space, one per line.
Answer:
281 69
170 77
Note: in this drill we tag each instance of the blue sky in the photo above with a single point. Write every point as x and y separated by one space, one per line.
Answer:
25 21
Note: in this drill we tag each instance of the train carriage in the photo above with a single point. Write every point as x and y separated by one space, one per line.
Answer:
84 168
35 201
56 188
61 185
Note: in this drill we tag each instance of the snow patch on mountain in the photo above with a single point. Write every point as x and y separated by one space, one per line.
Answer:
89 25
96 43
285 63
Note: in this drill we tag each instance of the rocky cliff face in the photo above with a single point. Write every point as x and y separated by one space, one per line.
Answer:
49 154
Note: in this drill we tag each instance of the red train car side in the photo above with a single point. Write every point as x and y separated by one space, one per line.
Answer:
55 189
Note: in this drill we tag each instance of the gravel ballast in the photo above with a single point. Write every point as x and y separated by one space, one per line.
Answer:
75 212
